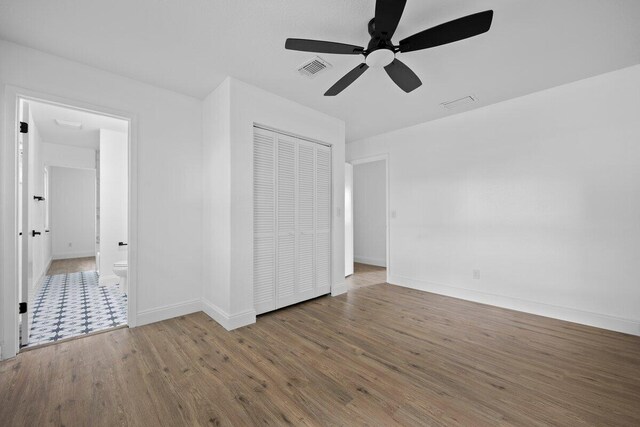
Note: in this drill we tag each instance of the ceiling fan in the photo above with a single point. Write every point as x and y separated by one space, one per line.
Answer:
381 52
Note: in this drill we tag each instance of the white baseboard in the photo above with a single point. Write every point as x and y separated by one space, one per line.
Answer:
110 279
628 326
168 311
378 262
69 255
227 321
338 289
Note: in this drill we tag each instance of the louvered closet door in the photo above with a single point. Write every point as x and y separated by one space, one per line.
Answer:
286 221
323 220
305 286
292 220
264 220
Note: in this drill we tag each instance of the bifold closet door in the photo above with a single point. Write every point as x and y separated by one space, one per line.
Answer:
286 222
323 220
292 220
305 284
264 221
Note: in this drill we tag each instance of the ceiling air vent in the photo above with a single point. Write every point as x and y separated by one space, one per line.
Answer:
313 66
450 105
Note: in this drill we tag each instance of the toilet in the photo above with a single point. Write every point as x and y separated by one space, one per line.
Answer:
120 269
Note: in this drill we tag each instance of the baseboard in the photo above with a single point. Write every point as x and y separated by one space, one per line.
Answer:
598 320
168 311
110 279
227 321
70 255
378 262
338 289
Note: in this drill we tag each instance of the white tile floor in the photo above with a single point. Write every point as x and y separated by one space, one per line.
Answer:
74 304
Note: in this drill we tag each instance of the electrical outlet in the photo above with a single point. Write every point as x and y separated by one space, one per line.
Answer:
476 274
393 214
70 244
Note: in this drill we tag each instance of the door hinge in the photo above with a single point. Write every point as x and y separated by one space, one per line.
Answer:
24 127
22 307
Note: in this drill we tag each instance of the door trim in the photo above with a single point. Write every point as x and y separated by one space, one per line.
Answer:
9 339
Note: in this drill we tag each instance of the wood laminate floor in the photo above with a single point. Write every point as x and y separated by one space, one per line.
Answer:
380 355
71 265
366 275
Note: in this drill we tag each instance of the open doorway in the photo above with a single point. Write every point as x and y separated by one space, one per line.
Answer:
73 221
367 180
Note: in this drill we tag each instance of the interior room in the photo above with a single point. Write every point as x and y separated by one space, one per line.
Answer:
75 166
383 212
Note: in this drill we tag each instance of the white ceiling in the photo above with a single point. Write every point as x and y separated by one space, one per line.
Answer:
88 136
191 46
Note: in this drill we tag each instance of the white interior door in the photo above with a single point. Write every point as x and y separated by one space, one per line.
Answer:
348 219
286 222
306 210
264 221
292 220
323 221
26 258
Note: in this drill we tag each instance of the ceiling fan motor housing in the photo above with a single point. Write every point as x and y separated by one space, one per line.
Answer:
380 51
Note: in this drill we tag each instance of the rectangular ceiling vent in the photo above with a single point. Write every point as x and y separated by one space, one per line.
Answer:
450 105
313 67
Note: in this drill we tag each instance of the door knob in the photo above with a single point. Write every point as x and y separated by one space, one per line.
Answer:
122 244
35 233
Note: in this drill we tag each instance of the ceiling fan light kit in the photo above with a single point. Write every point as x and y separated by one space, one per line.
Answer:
382 53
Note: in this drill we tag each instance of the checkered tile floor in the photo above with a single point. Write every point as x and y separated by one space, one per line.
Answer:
74 304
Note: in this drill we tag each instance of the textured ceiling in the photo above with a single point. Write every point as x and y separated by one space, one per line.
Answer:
191 46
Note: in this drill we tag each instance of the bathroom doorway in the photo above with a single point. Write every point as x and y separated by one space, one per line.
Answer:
73 221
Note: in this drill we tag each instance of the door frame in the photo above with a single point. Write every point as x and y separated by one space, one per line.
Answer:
371 159
10 344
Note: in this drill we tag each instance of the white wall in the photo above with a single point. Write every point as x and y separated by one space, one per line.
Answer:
167 132
539 193
234 188
370 213
216 220
69 156
113 203
73 212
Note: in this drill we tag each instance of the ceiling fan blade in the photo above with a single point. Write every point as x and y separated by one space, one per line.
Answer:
320 46
388 14
403 76
345 81
449 32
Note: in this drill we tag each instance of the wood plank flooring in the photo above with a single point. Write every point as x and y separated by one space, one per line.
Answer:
379 355
72 265
366 275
